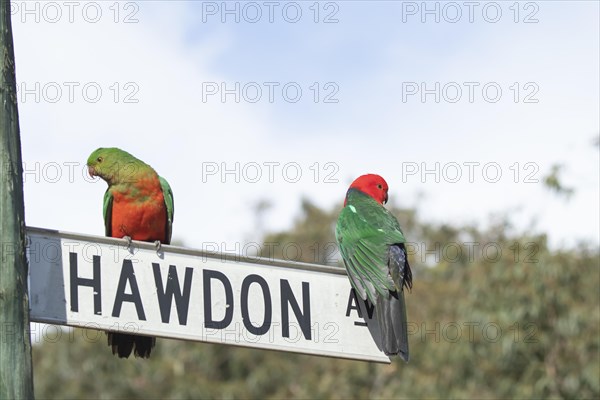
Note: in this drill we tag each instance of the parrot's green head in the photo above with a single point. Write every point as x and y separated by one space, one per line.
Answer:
112 164
372 185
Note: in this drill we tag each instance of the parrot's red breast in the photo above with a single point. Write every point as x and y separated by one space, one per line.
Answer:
141 215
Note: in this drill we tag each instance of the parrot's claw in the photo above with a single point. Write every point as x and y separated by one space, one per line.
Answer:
128 241
158 245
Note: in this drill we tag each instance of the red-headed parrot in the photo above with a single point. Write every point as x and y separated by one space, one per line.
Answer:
372 247
138 205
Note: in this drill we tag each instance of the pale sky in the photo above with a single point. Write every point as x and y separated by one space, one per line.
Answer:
276 106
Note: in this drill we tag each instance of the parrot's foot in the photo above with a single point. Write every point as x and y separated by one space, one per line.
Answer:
128 241
158 245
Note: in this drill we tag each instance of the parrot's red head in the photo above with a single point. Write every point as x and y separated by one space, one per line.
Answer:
373 185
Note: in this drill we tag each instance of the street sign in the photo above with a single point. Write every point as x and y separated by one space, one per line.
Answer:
96 282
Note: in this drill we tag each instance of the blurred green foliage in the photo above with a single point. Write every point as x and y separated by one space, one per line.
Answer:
553 182
493 314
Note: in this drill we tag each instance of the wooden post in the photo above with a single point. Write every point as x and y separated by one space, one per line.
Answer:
16 378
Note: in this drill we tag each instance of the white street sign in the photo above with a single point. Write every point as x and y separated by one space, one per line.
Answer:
96 282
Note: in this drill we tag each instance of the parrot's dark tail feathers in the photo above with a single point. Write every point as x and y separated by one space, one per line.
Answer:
144 345
123 344
391 314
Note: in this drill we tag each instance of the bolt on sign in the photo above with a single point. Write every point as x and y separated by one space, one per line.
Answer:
97 282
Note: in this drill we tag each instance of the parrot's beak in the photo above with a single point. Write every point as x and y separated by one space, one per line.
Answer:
91 171
385 199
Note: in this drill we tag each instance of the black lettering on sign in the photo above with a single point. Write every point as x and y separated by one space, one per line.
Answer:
370 308
173 290
94 283
208 275
127 275
303 317
266 325
353 304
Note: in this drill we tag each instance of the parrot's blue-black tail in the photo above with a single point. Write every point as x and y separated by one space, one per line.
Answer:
123 344
391 315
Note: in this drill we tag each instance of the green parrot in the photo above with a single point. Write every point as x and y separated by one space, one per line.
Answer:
372 246
138 205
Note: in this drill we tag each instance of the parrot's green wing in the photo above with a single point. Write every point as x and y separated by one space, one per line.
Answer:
364 232
168 195
107 212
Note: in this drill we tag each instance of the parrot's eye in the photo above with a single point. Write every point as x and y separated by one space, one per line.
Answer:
379 186
99 159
